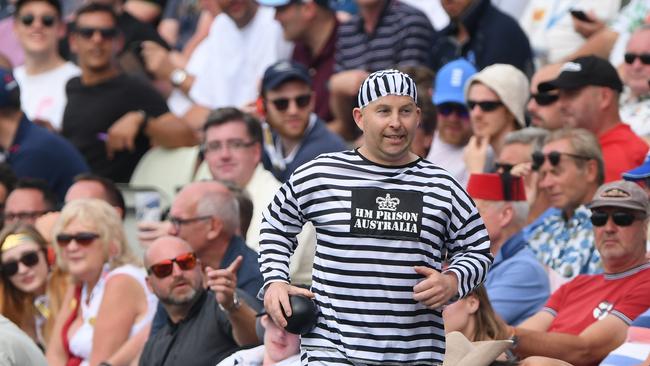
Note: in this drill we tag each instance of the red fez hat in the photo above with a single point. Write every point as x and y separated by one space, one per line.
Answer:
496 187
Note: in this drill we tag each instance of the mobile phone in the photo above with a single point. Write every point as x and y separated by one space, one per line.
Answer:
580 15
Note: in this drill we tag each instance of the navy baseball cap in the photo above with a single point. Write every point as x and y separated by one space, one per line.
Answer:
9 91
276 3
283 71
450 82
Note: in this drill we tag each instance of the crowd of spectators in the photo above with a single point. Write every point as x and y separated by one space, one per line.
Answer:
531 129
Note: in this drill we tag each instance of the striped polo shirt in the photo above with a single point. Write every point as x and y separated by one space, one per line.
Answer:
373 224
403 37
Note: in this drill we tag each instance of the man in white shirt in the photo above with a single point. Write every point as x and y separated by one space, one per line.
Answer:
42 79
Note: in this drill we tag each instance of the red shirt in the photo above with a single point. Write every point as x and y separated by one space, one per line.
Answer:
588 298
622 150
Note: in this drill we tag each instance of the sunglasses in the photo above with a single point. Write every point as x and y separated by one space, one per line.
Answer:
630 57
553 158
447 109
485 106
83 238
621 218
29 259
46 20
89 32
544 99
282 104
163 269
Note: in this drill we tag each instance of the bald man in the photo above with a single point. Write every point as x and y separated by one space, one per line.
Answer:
543 108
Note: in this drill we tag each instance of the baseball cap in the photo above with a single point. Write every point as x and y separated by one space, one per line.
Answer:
510 85
450 82
9 91
622 194
283 71
584 71
274 3
639 173
484 187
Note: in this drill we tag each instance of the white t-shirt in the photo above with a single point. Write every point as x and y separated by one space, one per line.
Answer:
42 96
450 158
238 59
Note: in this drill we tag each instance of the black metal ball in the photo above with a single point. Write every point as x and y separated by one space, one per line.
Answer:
304 315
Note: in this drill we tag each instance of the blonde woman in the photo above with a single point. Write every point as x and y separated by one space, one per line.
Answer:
31 289
110 301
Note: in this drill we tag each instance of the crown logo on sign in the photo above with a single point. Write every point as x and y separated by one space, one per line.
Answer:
387 203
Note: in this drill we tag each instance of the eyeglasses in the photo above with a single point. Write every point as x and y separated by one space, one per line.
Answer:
177 222
23 215
29 259
282 104
545 99
630 57
486 105
163 269
215 146
89 32
553 158
46 20
621 218
82 238
447 109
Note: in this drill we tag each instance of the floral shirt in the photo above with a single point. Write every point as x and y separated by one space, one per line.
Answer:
635 111
567 246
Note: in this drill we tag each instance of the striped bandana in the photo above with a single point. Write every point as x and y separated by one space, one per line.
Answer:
386 82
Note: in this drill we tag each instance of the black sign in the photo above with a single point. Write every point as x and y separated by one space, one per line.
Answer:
382 213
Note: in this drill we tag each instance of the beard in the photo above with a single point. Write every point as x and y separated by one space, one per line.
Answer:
183 299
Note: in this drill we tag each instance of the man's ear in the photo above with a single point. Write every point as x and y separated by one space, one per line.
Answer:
358 117
216 226
506 215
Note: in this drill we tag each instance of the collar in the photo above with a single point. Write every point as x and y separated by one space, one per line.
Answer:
629 272
21 134
360 21
511 247
473 15
235 247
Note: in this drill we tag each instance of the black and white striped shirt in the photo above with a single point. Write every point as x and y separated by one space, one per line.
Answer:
373 224
403 37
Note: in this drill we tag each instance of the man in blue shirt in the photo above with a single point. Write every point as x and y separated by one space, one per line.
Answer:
517 283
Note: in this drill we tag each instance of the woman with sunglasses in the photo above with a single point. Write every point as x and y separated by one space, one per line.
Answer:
31 290
91 246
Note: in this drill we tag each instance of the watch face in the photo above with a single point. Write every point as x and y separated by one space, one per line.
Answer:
178 76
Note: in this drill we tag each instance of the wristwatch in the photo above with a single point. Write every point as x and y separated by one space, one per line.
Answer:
177 77
236 304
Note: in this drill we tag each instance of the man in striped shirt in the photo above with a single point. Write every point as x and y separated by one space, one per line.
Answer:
384 219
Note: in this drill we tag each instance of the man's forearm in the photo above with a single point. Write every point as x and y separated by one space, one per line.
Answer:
170 131
243 325
566 347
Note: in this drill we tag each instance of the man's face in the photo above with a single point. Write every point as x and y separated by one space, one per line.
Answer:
278 343
620 244
230 152
24 205
579 107
180 287
637 74
293 20
240 11
566 182
38 28
487 123
489 212
288 108
85 189
388 124
544 113
454 8
95 41
194 232
454 127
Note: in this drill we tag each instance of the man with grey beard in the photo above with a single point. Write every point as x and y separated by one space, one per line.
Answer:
203 325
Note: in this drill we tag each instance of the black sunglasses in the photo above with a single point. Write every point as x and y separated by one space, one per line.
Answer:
46 20
89 32
29 259
644 57
282 104
163 269
447 109
486 105
82 238
544 99
621 218
553 158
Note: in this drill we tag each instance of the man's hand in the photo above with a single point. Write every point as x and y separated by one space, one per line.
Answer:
587 29
276 299
224 282
157 60
436 289
121 135
148 231
475 154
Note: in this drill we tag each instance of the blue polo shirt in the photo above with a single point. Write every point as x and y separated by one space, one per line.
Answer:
38 153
